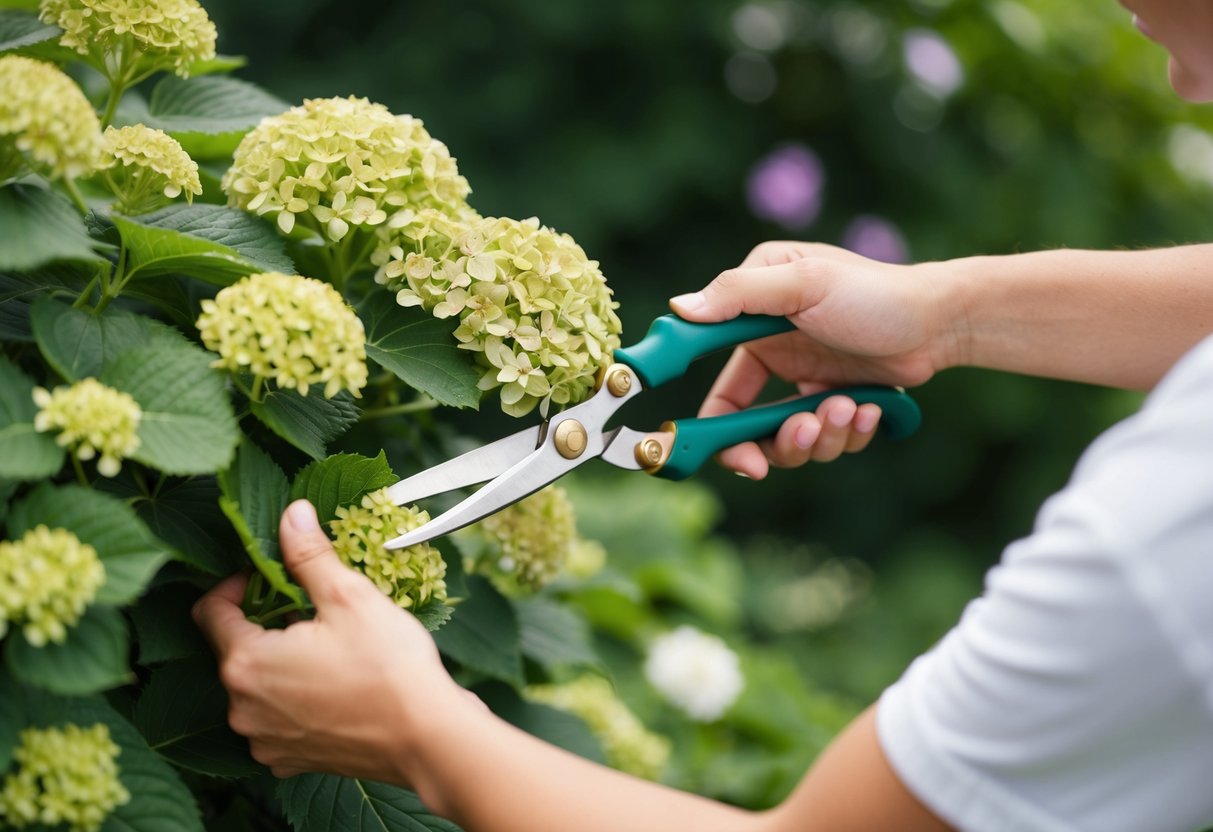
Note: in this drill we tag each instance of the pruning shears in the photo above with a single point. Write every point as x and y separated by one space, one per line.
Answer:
524 462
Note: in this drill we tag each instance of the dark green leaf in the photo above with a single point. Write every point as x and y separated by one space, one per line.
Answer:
456 580
18 290
182 714
553 635
327 803
19 29
209 115
164 628
91 660
130 552
78 343
188 426
483 634
560 728
420 350
12 717
210 242
38 226
7 488
308 422
433 615
255 493
341 480
25 454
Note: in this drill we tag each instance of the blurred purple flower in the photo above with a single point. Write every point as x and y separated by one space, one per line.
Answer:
785 187
877 238
932 62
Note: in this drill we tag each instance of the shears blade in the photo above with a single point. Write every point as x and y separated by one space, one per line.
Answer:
474 467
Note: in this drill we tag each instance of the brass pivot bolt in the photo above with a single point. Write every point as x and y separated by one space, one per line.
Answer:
649 453
571 438
619 381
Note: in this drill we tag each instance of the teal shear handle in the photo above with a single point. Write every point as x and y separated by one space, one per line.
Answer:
670 346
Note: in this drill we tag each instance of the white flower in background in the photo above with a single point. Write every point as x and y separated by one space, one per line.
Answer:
932 62
695 671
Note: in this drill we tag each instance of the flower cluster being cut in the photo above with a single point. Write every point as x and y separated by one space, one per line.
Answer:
412 576
64 775
295 331
91 418
536 311
532 539
334 164
696 672
45 121
144 166
164 34
47 578
627 744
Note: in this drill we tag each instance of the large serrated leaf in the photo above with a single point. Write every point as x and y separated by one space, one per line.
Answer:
131 554
164 627
79 343
255 493
19 29
327 803
420 350
553 635
92 659
210 242
25 454
187 426
209 115
37 227
18 291
308 422
341 480
182 714
483 633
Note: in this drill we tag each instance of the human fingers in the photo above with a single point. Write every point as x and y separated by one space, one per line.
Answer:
784 289
219 616
738 384
308 554
792 446
863 427
835 415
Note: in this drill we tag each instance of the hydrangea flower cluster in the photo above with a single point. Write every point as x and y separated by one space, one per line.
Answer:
297 331
65 775
412 576
91 418
533 538
627 744
536 311
47 578
45 121
696 672
334 164
164 33
144 165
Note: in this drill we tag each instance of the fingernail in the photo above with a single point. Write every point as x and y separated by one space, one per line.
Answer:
301 515
806 435
865 421
840 416
743 475
688 303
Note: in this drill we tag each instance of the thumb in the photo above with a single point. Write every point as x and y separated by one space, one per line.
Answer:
308 553
785 290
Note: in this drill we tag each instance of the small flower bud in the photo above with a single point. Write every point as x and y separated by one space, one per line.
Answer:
45 121
47 578
91 418
147 167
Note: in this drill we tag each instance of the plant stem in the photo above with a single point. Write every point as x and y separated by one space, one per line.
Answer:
86 295
252 591
274 614
418 405
74 193
79 470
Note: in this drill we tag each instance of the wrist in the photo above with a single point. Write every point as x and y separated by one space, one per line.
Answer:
950 310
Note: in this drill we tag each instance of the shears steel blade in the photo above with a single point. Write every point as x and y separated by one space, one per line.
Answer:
471 468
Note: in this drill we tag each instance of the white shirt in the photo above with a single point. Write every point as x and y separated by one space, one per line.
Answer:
1077 692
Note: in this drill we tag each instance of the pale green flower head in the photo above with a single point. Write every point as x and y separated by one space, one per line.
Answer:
536 311
66 775
336 165
91 419
532 539
146 167
412 576
627 744
294 331
46 123
47 579
164 34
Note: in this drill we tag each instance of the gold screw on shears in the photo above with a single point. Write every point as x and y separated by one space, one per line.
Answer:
618 381
649 453
570 438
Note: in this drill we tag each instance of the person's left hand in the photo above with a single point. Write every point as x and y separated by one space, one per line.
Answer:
354 691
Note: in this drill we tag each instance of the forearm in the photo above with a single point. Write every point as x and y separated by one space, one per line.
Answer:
1118 318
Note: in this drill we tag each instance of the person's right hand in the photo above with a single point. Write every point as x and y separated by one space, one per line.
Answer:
859 321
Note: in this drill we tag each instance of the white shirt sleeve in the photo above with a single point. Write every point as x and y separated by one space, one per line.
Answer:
1077 692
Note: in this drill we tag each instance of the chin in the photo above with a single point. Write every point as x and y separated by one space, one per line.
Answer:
1188 85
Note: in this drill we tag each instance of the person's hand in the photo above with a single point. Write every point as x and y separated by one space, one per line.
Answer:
349 692
858 321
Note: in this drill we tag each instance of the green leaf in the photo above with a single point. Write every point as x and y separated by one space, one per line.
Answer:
25 454
209 115
78 343
164 628
433 615
560 728
341 480
217 64
210 242
255 493
483 634
91 660
40 227
182 714
456 580
12 717
7 489
420 349
327 803
19 29
553 635
18 290
308 422
188 426
131 554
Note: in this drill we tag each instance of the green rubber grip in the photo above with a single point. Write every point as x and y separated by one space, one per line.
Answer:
671 344
697 440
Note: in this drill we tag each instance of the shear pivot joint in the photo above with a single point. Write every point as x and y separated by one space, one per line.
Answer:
570 438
